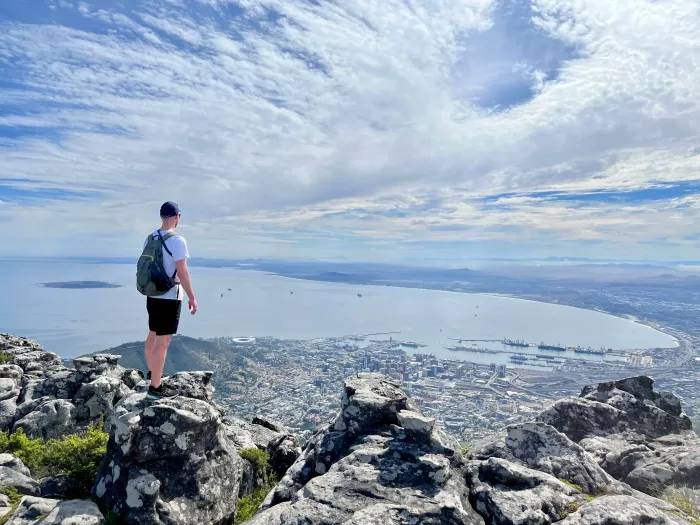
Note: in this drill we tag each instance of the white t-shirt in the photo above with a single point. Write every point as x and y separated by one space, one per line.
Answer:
178 247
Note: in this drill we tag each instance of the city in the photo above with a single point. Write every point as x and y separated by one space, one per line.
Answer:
297 382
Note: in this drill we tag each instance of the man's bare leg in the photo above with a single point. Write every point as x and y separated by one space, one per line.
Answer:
150 345
160 350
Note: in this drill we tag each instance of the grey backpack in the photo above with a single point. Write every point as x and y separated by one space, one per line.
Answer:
151 278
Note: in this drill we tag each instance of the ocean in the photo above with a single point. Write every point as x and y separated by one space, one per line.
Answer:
72 322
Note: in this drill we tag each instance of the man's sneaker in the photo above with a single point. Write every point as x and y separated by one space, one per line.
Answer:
160 392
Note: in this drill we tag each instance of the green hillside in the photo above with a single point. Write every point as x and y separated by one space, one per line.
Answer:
187 353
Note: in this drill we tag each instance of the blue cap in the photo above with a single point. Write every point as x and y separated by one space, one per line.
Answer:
169 209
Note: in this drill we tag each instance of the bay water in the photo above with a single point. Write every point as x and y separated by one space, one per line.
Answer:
72 322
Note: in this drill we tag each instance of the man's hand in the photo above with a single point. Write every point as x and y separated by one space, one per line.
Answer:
192 305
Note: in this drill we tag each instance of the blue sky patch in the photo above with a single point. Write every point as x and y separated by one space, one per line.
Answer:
660 192
12 193
498 69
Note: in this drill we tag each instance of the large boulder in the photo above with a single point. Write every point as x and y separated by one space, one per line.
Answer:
10 478
66 401
366 468
50 420
282 447
38 362
45 511
13 462
541 447
634 433
628 406
620 510
14 345
90 367
169 461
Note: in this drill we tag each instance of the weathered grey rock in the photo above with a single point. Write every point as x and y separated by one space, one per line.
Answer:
46 511
13 462
30 406
52 419
620 510
98 398
663 465
10 478
169 461
38 361
263 421
626 406
61 385
14 345
132 377
4 501
60 486
14 373
196 385
505 493
610 452
8 413
415 422
541 447
31 509
90 367
364 465
282 448
74 512
284 451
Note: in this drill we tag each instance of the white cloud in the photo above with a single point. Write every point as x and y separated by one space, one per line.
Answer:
346 119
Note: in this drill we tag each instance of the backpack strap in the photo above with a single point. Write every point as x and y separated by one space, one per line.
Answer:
162 241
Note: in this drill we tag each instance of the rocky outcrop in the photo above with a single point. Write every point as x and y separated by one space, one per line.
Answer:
627 407
382 462
366 467
44 511
175 461
637 435
14 475
39 395
170 461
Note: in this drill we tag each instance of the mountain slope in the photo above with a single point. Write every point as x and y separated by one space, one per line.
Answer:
187 354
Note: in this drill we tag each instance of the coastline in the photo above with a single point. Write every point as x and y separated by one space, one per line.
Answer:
625 317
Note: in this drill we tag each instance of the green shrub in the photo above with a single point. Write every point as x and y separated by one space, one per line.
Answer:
570 509
681 499
30 451
259 458
572 485
247 506
4 358
15 497
78 456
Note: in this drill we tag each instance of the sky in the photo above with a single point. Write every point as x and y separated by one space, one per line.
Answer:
411 131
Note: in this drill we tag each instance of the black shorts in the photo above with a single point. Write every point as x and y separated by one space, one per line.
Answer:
163 315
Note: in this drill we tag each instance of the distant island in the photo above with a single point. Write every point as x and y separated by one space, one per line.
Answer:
80 284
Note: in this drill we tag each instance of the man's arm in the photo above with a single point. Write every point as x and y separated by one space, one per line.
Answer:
186 281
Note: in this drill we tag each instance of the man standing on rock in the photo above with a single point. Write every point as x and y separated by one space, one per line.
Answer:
164 303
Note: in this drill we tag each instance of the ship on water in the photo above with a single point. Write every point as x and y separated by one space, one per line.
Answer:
556 347
589 350
517 342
